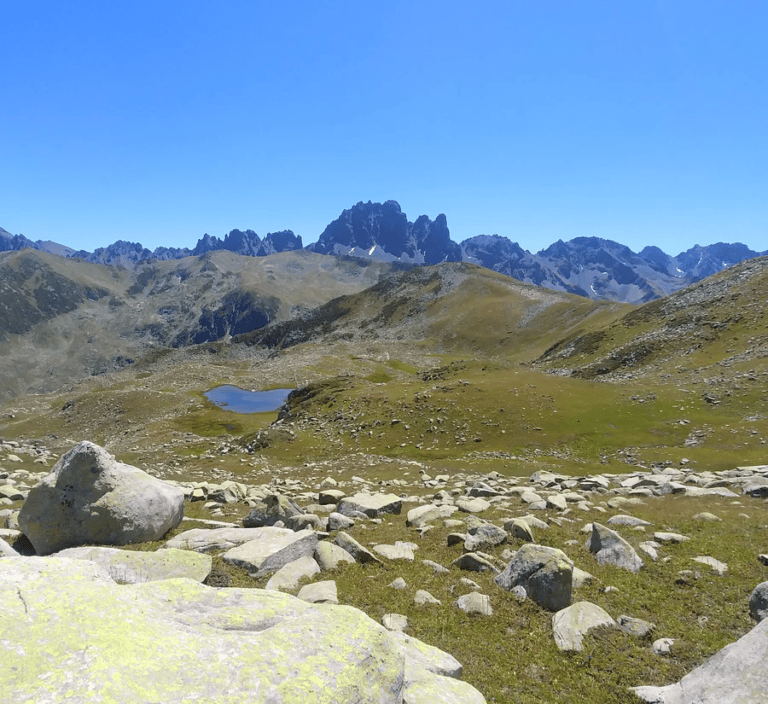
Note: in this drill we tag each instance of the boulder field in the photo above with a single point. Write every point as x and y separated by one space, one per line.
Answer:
96 623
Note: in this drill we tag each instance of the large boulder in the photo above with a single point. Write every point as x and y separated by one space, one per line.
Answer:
177 641
570 625
91 498
736 674
545 573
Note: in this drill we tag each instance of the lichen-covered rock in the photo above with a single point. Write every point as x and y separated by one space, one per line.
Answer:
90 498
545 573
758 602
177 641
132 567
570 625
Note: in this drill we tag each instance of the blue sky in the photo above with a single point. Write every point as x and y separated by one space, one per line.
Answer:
642 122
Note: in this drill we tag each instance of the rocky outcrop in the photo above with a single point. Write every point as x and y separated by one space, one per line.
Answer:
179 641
91 498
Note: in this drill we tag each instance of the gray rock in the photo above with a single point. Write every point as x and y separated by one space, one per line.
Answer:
91 498
756 488
518 528
476 505
421 515
329 556
330 496
545 573
424 598
228 492
473 562
6 550
623 520
212 539
287 578
360 553
306 521
485 537
557 501
635 626
273 548
663 646
399 551
669 538
580 578
758 602
436 568
271 509
735 675
475 603
176 641
611 549
398 583
132 567
372 505
719 567
570 625
337 521
394 622
320 592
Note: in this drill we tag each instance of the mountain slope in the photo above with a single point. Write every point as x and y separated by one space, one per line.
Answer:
717 321
61 319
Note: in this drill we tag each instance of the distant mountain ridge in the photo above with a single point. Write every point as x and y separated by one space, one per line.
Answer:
596 268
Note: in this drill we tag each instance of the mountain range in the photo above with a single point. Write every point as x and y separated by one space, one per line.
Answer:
592 267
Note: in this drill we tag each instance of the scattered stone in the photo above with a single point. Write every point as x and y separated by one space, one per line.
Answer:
571 624
610 548
91 498
271 509
133 567
706 516
437 568
635 626
330 496
649 547
763 559
485 537
287 578
360 553
398 583
518 528
421 515
475 603
213 539
758 602
545 573
324 592
666 538
399 551
623 520
338 521
557 502
580 578
423 598
271 550
662 646
372 505
329 555
473 562
394 622
472 505
719 567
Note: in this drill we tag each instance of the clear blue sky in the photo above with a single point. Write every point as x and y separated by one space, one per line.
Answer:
645 121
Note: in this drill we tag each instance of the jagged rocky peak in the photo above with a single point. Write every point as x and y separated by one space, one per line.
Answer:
382 231
282 241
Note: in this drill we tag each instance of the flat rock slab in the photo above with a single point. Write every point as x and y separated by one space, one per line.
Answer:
324 592
287 578
273 548
719 567
570 625
213 539
472 505
132 567
176 641
394 552
372 505
736 674
358 551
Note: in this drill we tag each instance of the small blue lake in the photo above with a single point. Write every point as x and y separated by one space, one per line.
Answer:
232 398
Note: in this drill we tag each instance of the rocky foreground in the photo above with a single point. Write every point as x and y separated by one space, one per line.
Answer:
93 623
